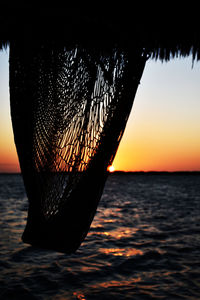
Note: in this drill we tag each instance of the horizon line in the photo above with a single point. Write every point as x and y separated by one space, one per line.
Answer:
120 171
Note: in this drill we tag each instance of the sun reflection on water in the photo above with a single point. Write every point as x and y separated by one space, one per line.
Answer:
117 233
121 251
108 284
117 283
79 296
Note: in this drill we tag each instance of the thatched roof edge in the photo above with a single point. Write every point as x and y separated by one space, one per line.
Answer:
164 35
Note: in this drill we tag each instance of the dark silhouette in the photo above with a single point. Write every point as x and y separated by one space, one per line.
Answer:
73 79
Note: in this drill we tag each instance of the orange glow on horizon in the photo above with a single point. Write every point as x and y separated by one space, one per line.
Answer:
111 168
157 158
9 162
159 147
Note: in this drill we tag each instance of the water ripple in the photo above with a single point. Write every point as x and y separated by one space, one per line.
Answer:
144 243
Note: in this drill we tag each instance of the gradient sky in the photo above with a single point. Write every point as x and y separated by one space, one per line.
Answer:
163 131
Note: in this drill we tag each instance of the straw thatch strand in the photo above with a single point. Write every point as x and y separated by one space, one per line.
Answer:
164 32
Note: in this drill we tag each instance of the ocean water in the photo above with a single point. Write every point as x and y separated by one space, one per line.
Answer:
144 243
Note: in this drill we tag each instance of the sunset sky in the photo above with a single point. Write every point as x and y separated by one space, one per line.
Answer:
163 131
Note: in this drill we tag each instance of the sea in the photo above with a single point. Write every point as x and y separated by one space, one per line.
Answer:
144 243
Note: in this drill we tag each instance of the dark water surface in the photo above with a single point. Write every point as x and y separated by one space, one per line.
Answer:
144 243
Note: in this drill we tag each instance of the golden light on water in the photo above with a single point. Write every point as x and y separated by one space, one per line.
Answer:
118 233
79 296
121 251
117 283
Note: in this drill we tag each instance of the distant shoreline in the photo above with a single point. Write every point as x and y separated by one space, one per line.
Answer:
155 172
134 173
